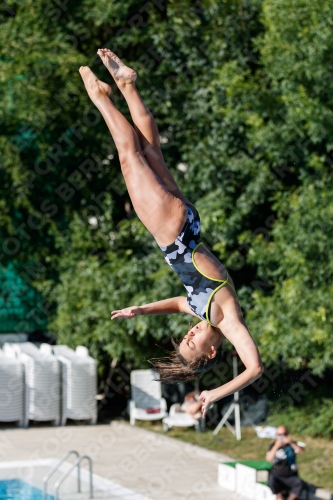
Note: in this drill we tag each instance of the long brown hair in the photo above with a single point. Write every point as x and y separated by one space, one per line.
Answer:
175 368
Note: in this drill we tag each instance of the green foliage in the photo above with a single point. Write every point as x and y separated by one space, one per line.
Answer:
93 285
299 262
242 92
319 425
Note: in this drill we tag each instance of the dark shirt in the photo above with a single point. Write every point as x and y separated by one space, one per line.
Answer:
284 463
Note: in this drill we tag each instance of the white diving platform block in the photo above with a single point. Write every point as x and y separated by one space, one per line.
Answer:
227 475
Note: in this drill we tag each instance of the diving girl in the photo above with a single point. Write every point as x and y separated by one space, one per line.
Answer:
175 224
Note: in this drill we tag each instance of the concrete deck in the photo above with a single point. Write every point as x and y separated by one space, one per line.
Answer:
158 467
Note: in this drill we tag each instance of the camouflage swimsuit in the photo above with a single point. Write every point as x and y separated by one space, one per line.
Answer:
180 256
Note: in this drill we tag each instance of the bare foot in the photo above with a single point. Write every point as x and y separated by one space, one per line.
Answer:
121 74
96 89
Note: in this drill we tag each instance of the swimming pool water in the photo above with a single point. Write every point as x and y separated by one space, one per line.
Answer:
16 489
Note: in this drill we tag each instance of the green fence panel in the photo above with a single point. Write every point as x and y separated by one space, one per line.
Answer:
19 304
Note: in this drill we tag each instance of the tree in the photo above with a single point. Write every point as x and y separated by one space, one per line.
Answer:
293 321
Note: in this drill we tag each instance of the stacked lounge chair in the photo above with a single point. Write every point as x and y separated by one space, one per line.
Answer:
79 383
11 388
41 382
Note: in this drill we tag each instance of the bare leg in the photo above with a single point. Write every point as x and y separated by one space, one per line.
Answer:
143 119
193 408
162 213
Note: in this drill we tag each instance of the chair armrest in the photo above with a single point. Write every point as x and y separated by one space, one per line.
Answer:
172 410
163 405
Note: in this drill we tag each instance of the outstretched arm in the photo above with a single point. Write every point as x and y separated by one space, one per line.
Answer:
167 306
239 336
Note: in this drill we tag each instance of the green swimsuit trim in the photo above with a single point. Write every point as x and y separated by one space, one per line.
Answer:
222 284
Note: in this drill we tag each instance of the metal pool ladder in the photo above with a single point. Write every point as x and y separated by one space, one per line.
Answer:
75 465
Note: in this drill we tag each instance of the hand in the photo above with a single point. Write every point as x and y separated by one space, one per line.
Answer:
282 442
207 402
287 440
279 443
127 313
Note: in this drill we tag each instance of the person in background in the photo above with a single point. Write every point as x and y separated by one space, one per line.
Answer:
191 405
284 474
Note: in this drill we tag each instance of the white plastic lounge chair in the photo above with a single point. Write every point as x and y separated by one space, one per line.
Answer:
79 383
146 397
41 382
11 388
179 419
